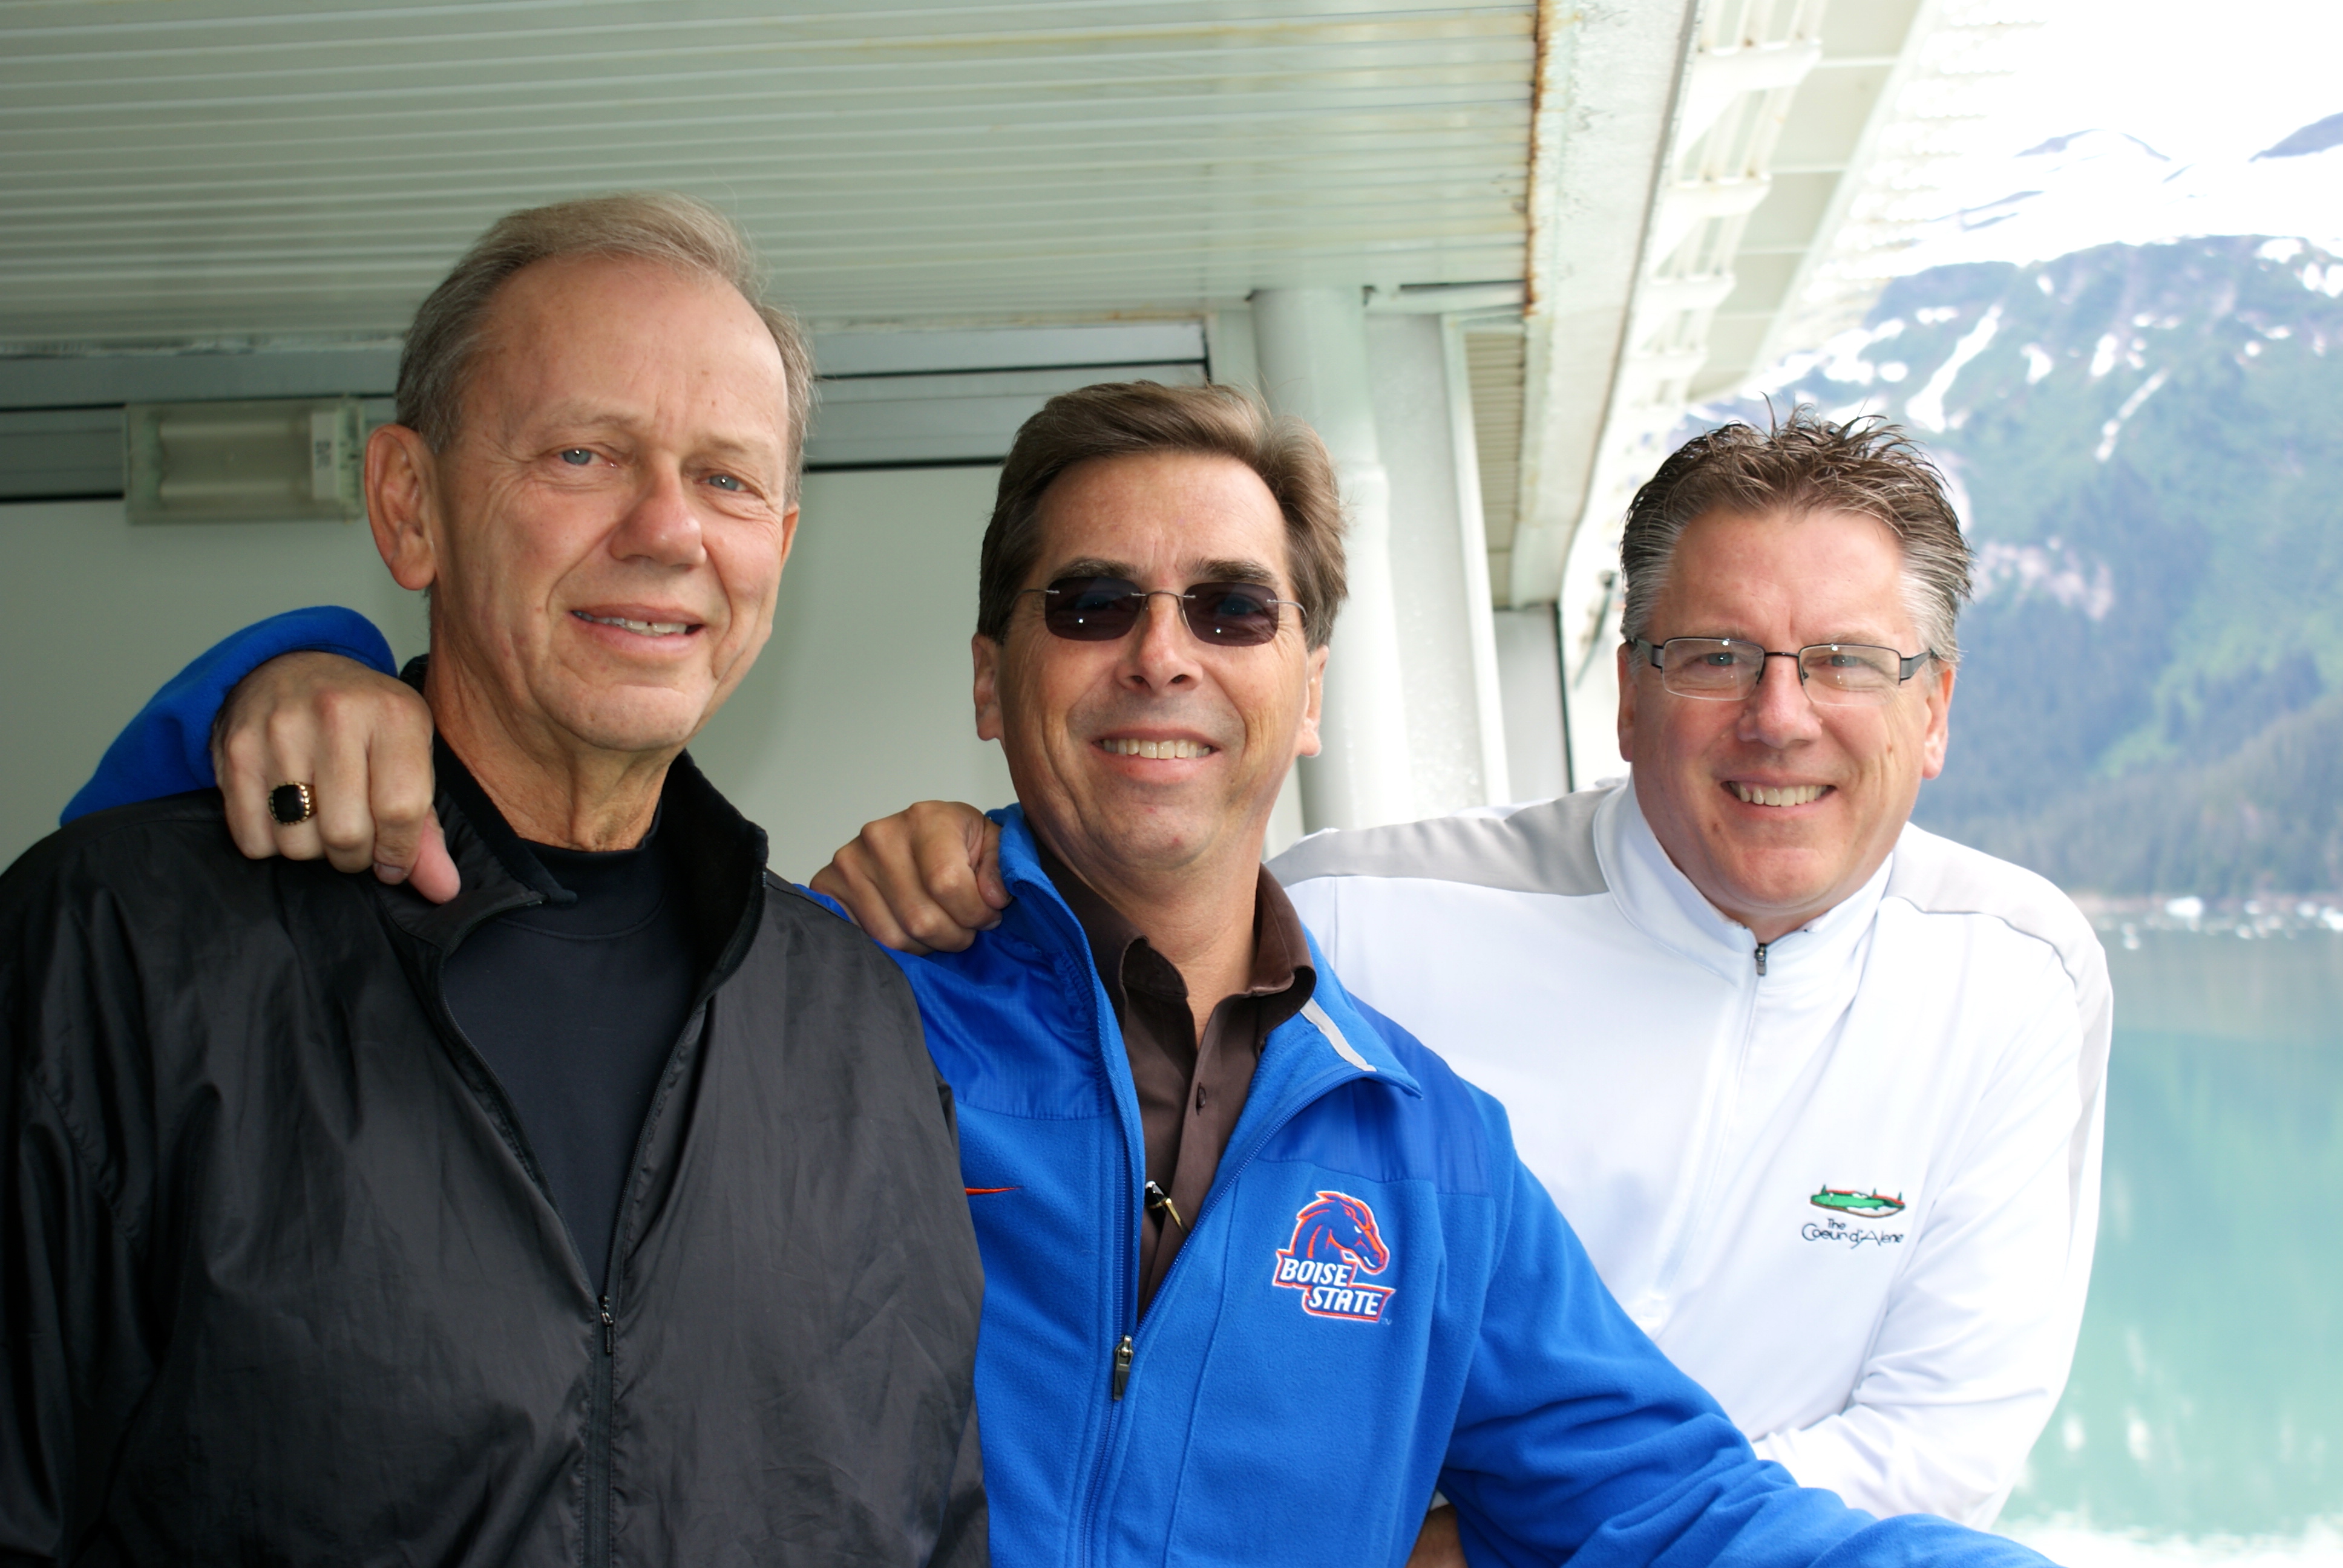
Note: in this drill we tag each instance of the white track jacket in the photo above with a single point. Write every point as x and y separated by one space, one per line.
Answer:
1850 1182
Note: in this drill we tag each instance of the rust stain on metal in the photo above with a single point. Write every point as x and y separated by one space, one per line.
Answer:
1550 18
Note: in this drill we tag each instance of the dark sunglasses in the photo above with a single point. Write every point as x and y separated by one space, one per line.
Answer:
1102 610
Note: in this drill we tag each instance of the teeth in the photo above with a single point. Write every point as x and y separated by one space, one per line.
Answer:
1170 749
1792 795
644 627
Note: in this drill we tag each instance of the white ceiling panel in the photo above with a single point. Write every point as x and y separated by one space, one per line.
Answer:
177 171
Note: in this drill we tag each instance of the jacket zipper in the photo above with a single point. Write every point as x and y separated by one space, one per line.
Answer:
1724 1101
1125 1285
598 1445
601 1392
1126 1350
605 1390
1122 1362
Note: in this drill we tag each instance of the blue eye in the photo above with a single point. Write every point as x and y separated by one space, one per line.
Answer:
577 456
725 482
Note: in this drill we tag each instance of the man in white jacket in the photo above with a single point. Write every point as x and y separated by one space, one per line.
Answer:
1820 1091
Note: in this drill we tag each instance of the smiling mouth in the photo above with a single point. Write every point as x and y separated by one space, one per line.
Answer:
639 627
1787 795
1164 749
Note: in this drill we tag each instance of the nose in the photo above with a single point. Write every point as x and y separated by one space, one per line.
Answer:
661 527
1779 715
1159 654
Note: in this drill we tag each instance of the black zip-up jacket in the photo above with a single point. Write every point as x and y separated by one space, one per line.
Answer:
280 1282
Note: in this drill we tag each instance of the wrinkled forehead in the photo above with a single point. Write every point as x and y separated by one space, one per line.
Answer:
1176 517
624 338
1825 574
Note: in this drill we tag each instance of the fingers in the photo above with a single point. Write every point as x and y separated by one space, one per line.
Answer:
433 874
988 864
239 763
399 786
848 879
344 827
911 882
937 869
333 724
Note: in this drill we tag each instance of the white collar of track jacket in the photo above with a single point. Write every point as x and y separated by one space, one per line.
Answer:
1663 902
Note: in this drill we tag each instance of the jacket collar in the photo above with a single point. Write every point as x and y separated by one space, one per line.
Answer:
721 854
1662 903
1330 1034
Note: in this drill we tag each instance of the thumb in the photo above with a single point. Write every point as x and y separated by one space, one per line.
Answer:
989 880
433 874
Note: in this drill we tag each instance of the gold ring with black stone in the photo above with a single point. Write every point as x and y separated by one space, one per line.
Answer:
291 805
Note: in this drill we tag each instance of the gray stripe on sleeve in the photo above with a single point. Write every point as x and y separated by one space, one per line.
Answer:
1548 847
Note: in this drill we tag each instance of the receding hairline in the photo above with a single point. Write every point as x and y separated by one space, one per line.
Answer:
499 313
1788 514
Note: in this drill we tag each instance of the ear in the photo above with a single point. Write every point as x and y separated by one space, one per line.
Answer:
1627 704
788 535
1306 742
402 504
987 656
1939 734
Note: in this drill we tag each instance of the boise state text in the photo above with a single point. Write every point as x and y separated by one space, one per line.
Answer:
1335 1240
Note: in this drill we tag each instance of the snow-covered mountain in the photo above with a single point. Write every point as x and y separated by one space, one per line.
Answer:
2092 187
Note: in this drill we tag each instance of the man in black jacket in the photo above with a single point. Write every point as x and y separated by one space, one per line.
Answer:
610 1211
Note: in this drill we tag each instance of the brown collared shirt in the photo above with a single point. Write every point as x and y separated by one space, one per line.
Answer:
1190 1091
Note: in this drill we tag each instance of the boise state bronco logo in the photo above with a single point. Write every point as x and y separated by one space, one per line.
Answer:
1334 1241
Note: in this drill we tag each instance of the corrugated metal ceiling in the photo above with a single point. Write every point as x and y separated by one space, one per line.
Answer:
207 170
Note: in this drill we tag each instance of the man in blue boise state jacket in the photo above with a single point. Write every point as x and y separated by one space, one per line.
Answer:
1261 1272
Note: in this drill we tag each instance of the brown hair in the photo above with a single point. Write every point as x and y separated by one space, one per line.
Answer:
1119 419
1805 464
673 231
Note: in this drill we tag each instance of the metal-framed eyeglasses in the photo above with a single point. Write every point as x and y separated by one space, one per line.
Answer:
1727 670
1105 609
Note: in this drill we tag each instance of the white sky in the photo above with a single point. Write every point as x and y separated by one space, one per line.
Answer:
2201 83
2205 86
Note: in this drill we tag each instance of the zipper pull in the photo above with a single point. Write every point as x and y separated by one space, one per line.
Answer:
609 1330
1122 1366
1761 959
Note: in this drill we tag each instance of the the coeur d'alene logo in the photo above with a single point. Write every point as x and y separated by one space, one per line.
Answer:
1335 1239
1871 1205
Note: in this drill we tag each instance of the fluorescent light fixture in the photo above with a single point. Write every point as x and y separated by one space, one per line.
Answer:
291 459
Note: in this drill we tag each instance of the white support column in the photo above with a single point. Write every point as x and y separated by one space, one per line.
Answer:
1472 540
1312 347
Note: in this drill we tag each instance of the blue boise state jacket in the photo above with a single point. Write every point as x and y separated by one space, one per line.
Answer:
1376 1298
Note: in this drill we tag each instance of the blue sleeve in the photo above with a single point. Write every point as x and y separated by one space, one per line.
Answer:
166 750
1577 1438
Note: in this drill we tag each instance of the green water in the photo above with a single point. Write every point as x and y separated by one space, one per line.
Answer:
2207 1391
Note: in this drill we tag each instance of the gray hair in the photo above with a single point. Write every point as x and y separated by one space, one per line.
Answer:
1805 464
672 231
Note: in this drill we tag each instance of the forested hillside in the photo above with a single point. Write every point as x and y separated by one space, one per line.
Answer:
2148 445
